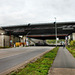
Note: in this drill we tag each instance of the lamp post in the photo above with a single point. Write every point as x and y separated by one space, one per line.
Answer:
55 31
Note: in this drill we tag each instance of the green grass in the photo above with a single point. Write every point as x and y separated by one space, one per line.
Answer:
71 50
54 41
40 66
4 47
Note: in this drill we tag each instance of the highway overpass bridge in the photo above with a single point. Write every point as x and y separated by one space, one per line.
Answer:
42 30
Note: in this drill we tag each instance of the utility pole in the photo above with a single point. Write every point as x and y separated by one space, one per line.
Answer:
55 31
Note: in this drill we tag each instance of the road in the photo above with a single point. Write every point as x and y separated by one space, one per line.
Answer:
15 56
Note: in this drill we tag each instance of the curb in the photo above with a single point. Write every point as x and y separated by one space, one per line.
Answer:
22 65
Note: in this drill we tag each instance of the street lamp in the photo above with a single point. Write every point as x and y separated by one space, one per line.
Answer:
55 31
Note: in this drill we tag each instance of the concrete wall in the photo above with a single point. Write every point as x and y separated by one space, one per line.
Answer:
37 41
0 41
2 32
73 34
5 39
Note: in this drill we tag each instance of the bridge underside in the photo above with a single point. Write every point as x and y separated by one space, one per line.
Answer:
44 37
42 31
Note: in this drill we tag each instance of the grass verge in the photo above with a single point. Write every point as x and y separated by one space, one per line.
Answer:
4 47
40 66
71 50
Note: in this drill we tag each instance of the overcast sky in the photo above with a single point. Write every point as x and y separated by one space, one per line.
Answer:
36 11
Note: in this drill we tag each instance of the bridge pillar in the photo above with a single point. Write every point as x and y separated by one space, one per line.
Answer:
10 40
73 34
26 41
66 40
44 41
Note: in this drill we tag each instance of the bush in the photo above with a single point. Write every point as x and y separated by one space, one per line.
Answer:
4 47
72 43
71 50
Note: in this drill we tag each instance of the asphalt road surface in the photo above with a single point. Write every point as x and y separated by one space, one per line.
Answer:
15 56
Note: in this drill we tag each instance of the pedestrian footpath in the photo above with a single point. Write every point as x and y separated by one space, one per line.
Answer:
64 63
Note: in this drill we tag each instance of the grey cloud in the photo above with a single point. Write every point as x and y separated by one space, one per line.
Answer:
35 11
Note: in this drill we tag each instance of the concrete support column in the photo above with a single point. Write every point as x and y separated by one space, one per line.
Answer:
10 40
2 39
24 38
66 40
44 41
27 41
